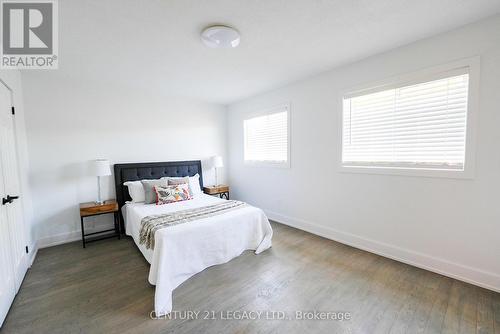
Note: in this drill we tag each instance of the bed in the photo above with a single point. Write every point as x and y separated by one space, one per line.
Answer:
183 250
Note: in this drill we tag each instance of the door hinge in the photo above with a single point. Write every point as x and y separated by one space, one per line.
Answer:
13 110
27 252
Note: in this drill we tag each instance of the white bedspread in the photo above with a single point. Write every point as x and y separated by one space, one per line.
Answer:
186 249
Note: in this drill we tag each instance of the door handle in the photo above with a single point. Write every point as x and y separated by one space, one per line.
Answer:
9 199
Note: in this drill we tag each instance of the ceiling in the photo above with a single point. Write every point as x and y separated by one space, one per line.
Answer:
156 44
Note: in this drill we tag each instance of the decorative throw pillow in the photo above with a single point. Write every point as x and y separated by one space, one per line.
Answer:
173 181
149 192
170 194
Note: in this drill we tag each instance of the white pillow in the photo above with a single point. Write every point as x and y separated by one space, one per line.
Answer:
194 184
136 191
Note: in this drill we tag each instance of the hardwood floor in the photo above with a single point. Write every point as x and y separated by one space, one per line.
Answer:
104 289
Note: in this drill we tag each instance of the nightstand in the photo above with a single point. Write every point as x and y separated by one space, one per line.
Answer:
220 190
92 209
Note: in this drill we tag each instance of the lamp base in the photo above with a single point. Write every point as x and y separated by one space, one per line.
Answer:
99 202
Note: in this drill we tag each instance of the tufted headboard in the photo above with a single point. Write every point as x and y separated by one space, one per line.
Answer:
151 170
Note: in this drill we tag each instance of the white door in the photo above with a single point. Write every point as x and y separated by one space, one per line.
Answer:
7 284
13 259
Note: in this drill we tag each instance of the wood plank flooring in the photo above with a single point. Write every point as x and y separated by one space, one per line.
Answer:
104 289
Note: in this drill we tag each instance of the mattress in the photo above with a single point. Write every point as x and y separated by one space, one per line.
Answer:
183 250
134 212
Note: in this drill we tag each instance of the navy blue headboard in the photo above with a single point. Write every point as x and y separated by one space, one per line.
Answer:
151 170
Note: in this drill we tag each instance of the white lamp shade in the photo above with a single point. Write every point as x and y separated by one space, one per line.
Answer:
100 167
217 161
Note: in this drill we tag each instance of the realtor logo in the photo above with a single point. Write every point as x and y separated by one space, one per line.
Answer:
29 34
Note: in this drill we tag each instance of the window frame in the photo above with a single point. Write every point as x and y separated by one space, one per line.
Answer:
262 112
428 74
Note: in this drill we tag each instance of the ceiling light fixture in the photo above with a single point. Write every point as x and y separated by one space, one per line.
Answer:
220 36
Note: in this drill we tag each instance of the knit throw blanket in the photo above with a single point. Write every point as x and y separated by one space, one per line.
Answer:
151 224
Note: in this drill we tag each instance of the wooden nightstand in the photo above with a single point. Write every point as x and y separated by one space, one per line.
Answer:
220 190
91 209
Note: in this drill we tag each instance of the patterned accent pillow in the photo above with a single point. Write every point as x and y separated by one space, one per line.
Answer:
174 193
173 181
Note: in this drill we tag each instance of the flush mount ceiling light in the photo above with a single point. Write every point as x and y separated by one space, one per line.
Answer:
220 37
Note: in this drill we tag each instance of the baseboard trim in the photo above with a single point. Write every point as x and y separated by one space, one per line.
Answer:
64 238
32 254
59 239
484 279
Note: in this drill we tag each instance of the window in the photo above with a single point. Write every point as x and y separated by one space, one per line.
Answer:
266 137
415 125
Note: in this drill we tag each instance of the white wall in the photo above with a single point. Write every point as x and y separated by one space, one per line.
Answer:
12 78
70 122
446 225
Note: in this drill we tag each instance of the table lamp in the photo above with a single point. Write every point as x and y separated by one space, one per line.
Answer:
217 163
100 167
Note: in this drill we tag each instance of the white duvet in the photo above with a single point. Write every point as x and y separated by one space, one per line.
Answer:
186 249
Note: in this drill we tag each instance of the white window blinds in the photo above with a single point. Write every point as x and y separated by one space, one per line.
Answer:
266 137
422 125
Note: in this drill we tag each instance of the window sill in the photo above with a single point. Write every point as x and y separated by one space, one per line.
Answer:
267 164
407 171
